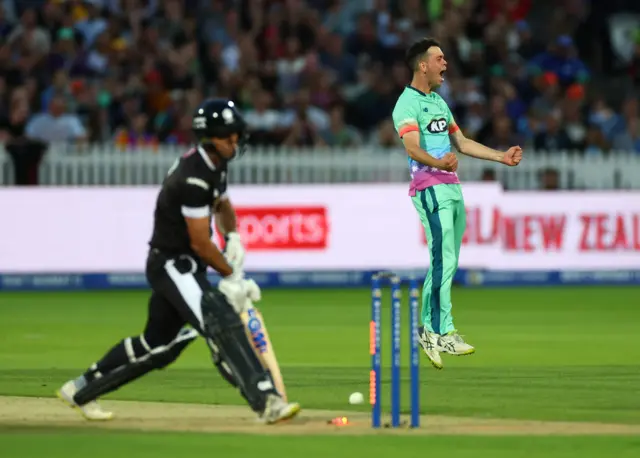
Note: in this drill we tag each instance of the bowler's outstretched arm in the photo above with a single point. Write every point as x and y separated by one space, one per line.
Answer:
472 148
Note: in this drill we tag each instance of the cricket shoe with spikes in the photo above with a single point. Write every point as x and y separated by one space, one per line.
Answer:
278 410
91 410
453 344
429 341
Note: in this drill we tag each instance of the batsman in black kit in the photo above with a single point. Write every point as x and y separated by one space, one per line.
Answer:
183 304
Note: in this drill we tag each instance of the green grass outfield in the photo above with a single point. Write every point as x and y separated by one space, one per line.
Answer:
102 444
556 354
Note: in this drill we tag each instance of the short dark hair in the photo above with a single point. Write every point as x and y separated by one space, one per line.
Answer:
417 50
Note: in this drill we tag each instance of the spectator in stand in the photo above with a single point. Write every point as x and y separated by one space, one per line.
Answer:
549 94
553 136
14 116
6 23
303 132
595 142
139 135
181 134
513 10
549 180
92 25
629 138
333 57
488 175
301 109
265 122
386 136
628 114
339 134
56 125
603 117
32 40
562 60
524 42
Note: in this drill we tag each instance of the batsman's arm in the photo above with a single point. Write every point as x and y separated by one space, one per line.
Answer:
225 216
196 211
227 223
198 229
472 148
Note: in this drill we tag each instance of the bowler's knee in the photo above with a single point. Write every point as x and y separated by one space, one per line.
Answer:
448 270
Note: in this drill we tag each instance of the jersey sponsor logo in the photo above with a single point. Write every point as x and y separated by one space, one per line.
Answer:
282 228
257 334
437 126
198 182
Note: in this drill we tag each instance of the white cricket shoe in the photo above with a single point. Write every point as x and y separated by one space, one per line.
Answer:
430 344
453 344
91 410
278 410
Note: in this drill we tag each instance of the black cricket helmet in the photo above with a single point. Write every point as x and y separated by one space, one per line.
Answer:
219 118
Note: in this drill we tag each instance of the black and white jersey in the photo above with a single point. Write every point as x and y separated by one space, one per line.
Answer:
192 188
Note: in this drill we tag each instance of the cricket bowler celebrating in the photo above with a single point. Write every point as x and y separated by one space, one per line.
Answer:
427 128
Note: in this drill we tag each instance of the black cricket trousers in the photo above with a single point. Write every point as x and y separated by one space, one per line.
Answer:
177 284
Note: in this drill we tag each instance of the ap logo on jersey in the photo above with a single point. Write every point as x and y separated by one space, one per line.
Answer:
437 126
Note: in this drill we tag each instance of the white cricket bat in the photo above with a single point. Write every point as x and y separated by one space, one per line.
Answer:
259 338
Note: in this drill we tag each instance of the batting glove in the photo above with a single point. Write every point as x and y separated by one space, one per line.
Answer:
240 292
234 289
234 250
253 290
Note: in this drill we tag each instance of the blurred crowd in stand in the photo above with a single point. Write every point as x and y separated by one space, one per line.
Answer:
545 75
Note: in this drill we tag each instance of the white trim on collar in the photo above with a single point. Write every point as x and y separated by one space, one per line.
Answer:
205 157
